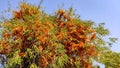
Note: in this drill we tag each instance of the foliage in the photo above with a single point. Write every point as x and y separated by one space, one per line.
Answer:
33 39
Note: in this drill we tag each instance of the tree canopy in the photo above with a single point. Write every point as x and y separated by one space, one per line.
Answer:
35 39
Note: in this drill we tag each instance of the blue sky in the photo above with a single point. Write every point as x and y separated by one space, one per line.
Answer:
107 11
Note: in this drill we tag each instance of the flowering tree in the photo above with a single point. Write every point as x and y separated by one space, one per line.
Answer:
34 39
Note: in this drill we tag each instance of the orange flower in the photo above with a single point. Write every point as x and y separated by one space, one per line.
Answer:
47 22
17 30
6 51
61 24
81 44
25 5
44 61
40 48
71 24
60 36
92 52
93 36
21 46
43 39
91 30
17 14
6 34
37 22
60 11
29 12
45 30
73 46
22 54
82 36
89 66
5 46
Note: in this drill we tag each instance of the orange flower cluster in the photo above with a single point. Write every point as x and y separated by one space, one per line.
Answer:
75 37
78 39
62 16
18 14
6 35
29 9
5 49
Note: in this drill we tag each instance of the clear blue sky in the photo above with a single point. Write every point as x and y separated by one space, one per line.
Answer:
107 11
